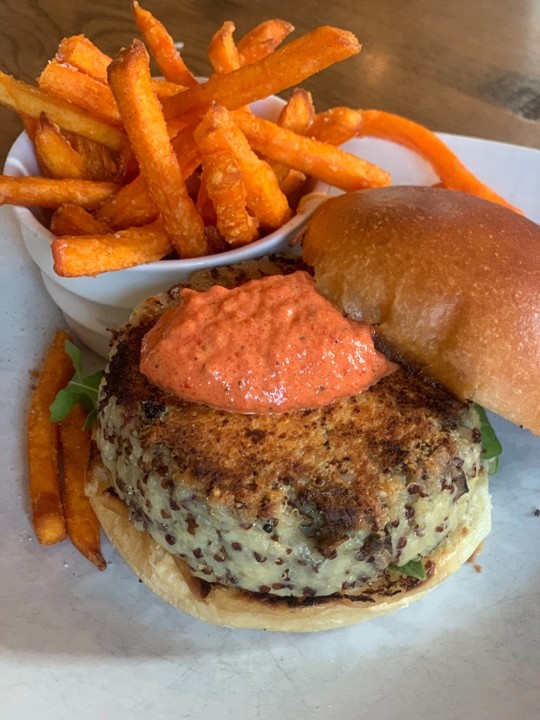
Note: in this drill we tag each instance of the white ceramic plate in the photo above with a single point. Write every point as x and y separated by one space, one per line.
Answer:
76 643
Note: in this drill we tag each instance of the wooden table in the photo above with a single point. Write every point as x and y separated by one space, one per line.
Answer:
459 67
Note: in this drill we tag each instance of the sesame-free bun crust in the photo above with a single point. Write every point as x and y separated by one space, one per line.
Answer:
451 283
170 578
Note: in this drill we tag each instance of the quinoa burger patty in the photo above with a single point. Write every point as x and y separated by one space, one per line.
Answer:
296 513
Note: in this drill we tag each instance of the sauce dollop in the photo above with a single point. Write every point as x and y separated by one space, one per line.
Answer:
268 346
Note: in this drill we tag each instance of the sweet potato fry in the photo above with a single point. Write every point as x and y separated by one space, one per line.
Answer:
204 205
100 162
71 219
45 492
82 524
76 256
285 67
126 165
225 186
30 125
131 206
222 52
311 157
186 150
50 192
290 180
218 131
162 47
81 53
129 77
56 153
336 125
453 174
164 88
298 113
263 40
32 102
84 91
175 125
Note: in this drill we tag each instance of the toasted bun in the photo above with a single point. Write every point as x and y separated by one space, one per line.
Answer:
170 578
450 282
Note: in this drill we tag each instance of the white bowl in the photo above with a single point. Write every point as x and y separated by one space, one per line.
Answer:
93 306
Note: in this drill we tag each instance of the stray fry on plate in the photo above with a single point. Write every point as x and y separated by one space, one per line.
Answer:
451 171
45 489
59 449
83 526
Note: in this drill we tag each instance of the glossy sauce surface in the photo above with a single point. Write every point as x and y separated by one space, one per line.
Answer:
270 345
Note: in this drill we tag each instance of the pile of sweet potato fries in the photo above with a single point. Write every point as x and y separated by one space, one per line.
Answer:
137 169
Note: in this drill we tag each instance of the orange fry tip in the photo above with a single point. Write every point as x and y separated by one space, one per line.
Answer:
48 520
98 560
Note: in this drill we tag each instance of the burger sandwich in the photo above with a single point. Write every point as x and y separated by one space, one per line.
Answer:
308 453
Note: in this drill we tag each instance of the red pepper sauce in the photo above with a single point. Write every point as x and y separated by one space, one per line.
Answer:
268 346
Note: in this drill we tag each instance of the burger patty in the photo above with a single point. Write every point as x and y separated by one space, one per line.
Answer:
299 504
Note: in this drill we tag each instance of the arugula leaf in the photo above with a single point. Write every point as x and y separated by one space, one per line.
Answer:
414 568
80 389
491 447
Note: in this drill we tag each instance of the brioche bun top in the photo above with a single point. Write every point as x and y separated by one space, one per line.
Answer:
451 283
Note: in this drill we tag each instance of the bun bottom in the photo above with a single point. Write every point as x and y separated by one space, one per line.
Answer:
170 578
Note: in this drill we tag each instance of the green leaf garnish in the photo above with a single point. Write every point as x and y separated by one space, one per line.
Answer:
491 447
414 569
80 389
